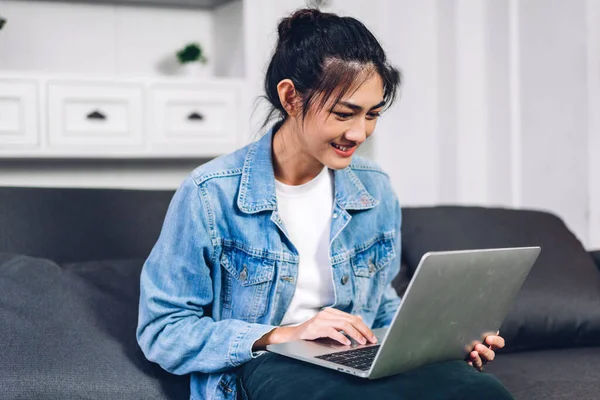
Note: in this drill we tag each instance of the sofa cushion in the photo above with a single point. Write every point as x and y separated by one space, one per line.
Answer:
557 374
559 304
68 332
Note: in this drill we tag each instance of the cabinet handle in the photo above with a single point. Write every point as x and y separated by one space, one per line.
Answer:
195 116
96 115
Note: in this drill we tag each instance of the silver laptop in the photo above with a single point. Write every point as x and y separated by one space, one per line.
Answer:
454 300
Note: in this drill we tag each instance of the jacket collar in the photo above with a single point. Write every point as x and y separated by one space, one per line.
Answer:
257 187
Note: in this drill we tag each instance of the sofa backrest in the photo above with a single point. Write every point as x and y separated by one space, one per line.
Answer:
559 304
70 225
596 256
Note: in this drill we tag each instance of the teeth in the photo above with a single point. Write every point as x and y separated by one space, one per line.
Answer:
342 148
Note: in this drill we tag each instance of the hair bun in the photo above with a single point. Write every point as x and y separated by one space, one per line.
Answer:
305 18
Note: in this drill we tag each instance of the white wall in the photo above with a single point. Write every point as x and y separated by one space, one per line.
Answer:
499 102
593 74
406 140
499 106
98 38
553 113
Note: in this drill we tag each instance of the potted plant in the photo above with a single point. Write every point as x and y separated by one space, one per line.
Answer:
192 59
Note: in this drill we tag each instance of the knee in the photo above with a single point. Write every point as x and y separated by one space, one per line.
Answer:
486 386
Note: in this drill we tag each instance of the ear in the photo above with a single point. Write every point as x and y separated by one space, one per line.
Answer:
289 97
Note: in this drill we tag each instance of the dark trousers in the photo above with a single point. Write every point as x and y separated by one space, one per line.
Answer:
272 376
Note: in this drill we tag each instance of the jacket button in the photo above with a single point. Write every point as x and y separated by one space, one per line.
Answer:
244 274
371 266
344 279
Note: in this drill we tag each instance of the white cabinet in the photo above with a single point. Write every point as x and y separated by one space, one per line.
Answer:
202 116
86 114
18 114
81 117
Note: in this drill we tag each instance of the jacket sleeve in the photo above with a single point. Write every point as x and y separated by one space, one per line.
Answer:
176 291
390 300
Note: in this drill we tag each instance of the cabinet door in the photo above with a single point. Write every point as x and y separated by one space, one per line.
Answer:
18 114
87 115
198 119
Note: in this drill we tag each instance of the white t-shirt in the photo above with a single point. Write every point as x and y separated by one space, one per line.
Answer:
306 213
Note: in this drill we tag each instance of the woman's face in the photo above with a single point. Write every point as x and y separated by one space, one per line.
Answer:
332 134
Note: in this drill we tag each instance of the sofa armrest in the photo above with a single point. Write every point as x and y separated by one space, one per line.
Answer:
596 256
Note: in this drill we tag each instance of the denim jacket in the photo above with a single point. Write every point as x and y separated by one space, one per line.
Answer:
223 271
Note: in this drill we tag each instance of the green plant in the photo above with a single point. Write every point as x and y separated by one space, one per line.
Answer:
2 22
191 53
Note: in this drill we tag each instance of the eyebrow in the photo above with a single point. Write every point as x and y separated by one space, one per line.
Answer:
356 107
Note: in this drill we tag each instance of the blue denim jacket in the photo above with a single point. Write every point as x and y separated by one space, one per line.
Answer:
222 273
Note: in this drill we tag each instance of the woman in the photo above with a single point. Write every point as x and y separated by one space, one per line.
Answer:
292 238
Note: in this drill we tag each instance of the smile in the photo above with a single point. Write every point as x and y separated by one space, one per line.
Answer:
342 148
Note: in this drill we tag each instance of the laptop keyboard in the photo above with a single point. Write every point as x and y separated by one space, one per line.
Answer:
360 358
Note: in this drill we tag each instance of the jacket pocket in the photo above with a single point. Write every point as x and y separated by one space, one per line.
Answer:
247 282
369 267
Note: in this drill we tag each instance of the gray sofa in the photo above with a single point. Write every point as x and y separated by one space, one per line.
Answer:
69 268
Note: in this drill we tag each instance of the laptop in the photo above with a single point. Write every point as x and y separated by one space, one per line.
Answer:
454 300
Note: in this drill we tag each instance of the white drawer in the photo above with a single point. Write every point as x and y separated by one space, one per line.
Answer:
18 113
94 114
194 114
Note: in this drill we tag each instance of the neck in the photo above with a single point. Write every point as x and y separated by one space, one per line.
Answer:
291 162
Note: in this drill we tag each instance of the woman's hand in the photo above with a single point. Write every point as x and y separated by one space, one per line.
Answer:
326 324
482 354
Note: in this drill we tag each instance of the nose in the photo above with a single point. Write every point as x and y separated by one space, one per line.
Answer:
357 132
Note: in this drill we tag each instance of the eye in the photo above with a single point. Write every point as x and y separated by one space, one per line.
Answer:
342 115
373 115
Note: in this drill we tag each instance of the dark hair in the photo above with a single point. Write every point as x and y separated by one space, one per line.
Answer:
321 52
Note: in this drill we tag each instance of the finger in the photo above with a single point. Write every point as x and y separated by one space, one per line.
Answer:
330 317
349 329
334 311
336 335
360 326
356 321
341 314
495 342
485 353
476 360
